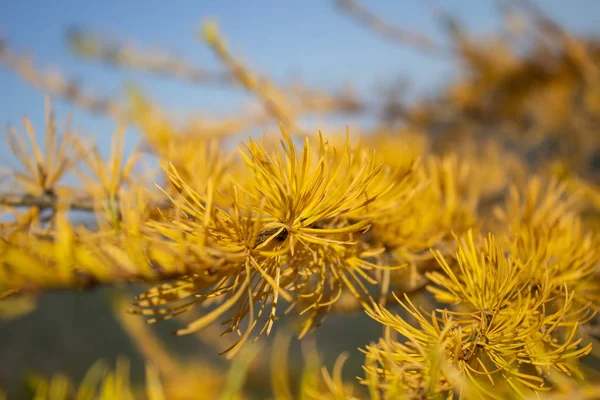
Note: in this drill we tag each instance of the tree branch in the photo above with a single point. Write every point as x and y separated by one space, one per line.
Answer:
387 30
56 84
49 200
156 62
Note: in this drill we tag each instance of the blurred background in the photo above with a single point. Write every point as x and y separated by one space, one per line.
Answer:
315 42
333 47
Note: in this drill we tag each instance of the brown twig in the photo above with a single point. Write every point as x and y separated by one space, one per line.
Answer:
50 201
44 201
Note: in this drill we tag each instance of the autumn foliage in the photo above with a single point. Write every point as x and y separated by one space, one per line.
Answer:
465 225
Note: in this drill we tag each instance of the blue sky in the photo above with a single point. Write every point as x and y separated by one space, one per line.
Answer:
310 39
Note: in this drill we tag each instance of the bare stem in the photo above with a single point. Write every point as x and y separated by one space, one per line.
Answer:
48 201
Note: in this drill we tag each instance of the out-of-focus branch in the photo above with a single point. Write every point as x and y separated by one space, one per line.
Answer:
155 61
55 84
277 105
514 25
273 99
51 201
310 100
152 61
44 201
387 30
575 48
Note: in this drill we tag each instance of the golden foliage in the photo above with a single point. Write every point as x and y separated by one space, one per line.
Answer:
487 197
